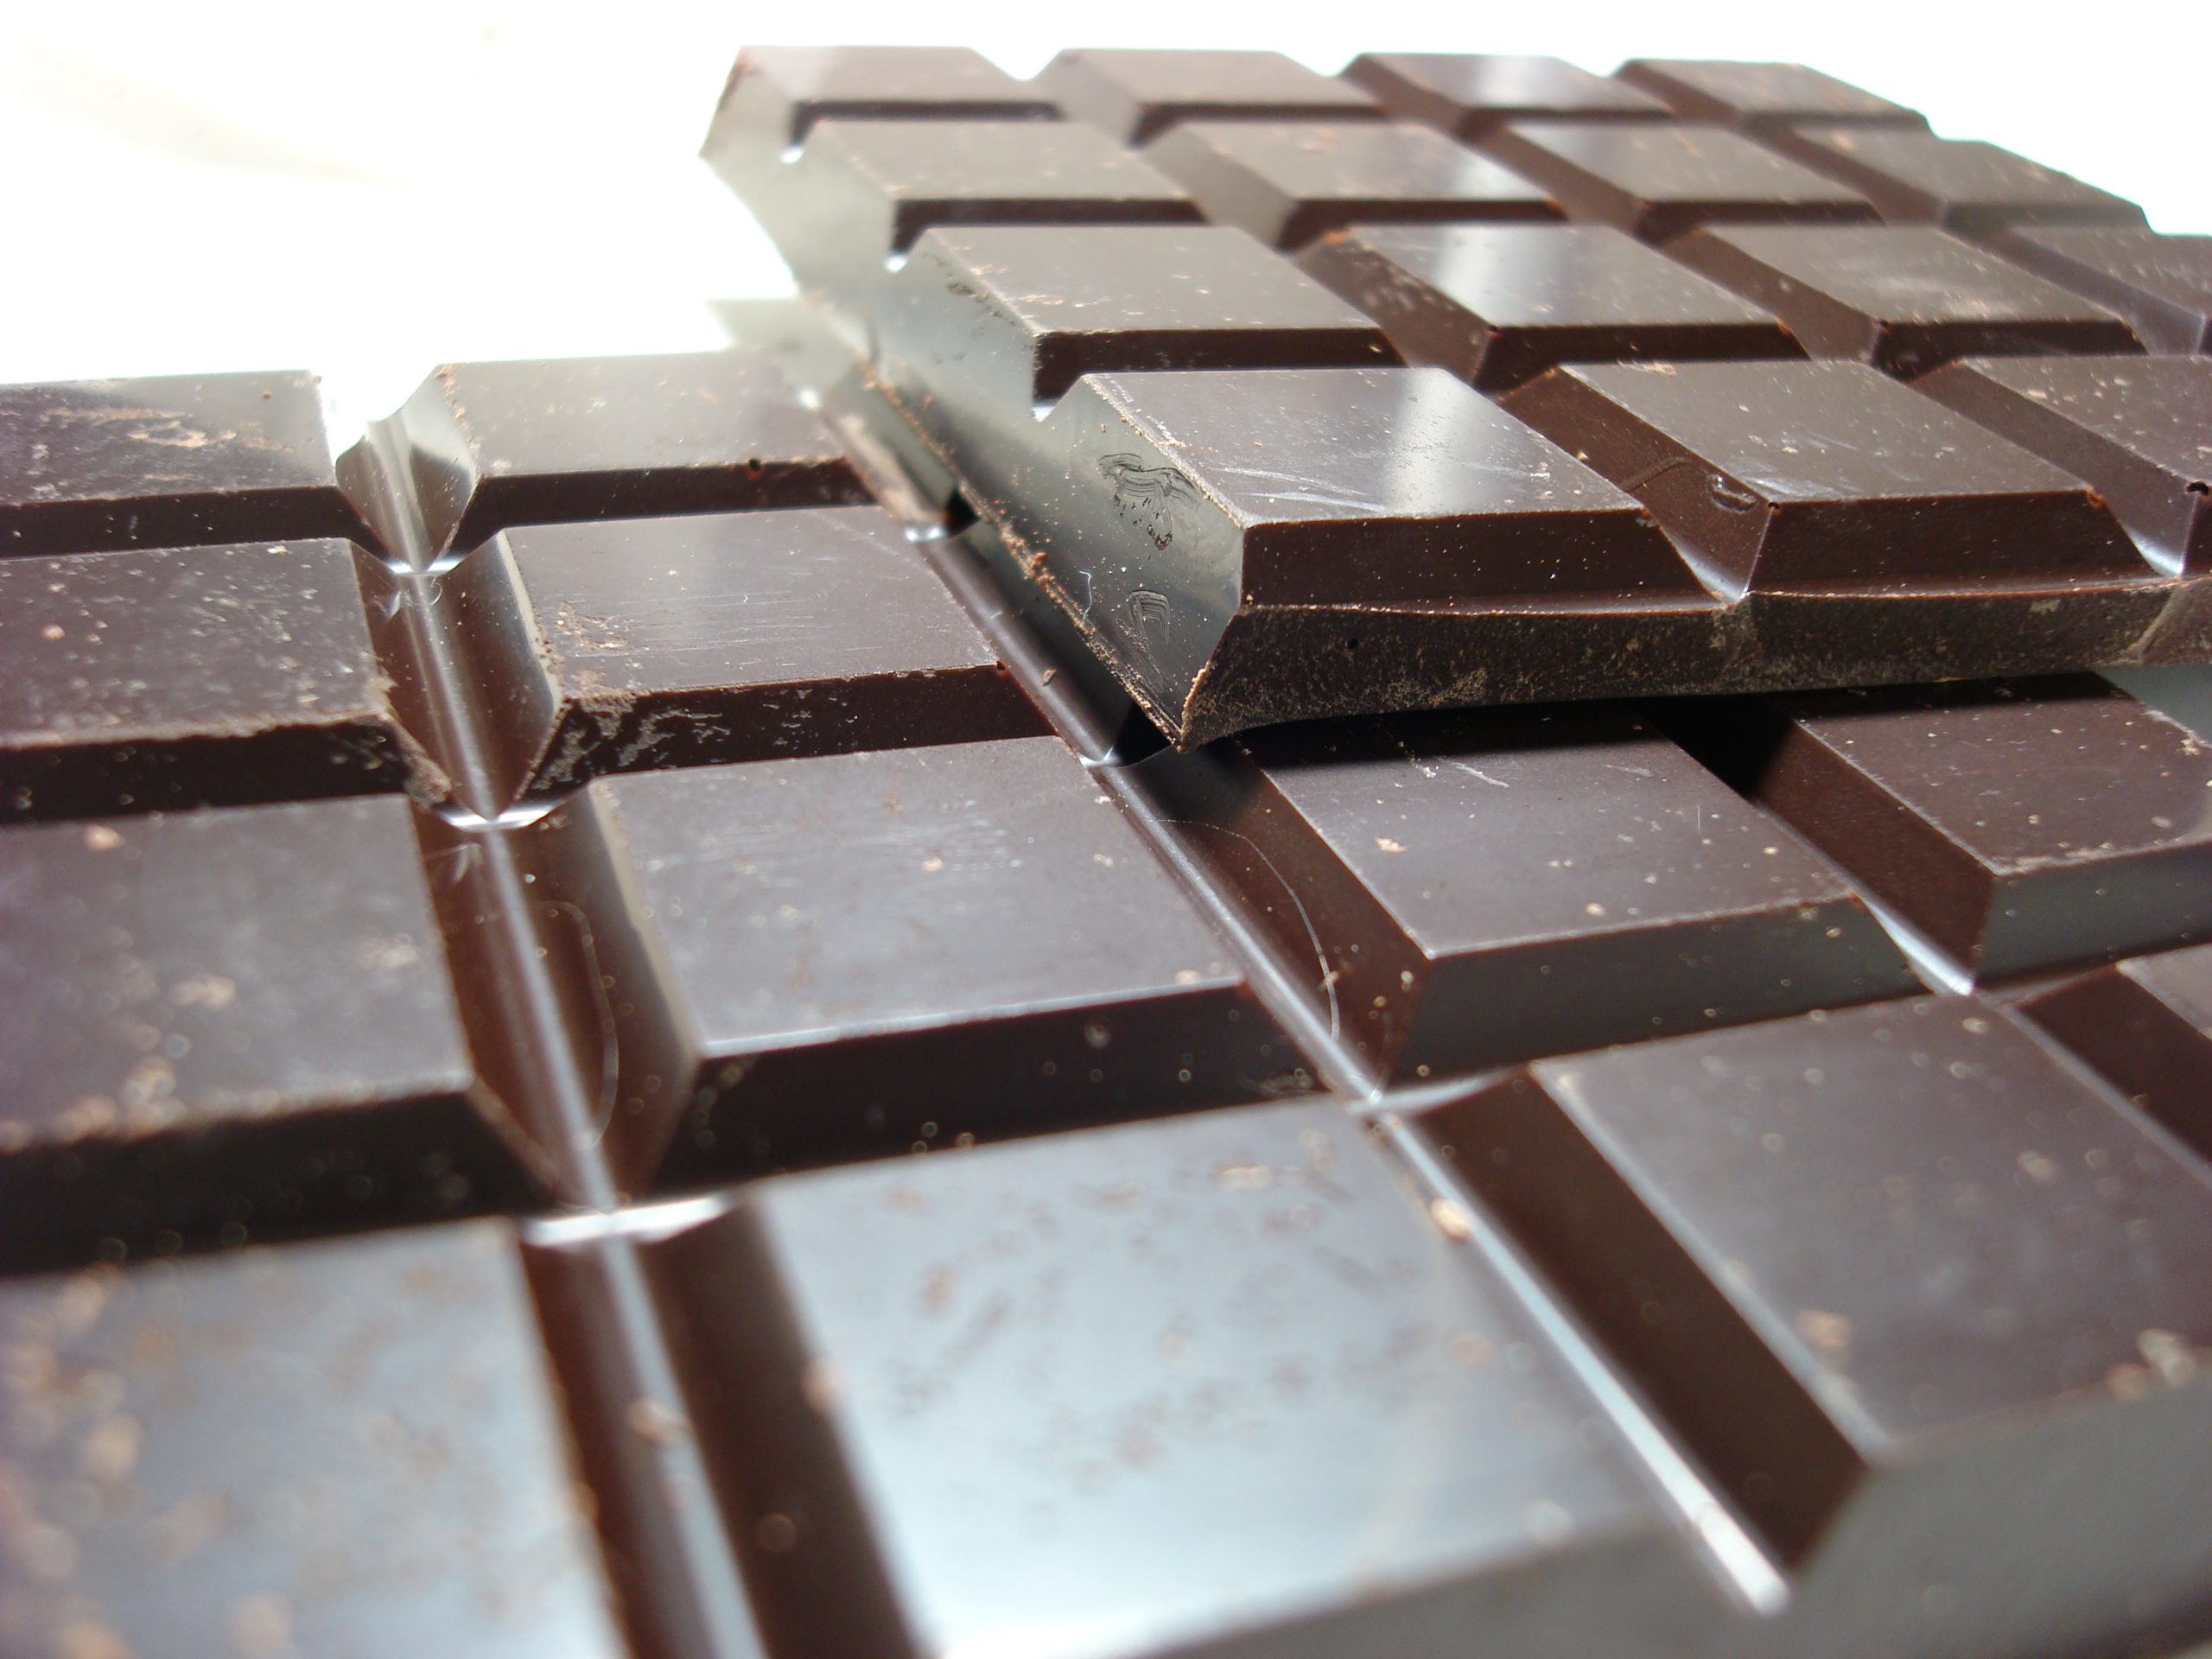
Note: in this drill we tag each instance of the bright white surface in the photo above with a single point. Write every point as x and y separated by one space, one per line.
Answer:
370 190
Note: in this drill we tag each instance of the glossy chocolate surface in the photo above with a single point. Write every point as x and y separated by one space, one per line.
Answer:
2139 429
179 1059
1469 95
136 681
1961 184
1135 94
1761 97
2016 826
1499 304
1197 501
1818 474
1751 1204
1904 298
1657 179
2163 284
490 445
2022 569
344 1448
1006 316
1287 183
1220 1386
778 92
160 462
720 637
861 193
1467 890
928 943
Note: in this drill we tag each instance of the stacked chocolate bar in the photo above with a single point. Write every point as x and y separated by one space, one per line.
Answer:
1335 871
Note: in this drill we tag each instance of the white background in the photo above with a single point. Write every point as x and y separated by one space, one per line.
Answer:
370 189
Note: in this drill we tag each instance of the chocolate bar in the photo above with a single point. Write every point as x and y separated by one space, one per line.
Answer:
1846 229
617 1037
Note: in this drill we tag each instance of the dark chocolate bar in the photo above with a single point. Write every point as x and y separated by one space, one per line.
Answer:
859 1133
1799 560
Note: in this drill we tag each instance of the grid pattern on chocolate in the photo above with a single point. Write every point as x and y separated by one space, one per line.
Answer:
1752 254
686 867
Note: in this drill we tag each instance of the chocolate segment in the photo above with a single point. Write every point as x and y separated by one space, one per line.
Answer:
822 959
1963 185
184 1062
778 92
94 465
1287 184
1657 179
1761 98
1943 1276
2145 1026
351 1448
1904 298
2139 429
1135 95
720 637
1216 1386
863 192
2163 284
1824 474
1170 512
2016 826
1498 304
1470 96
495 444
1472 889
138 680
996 320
